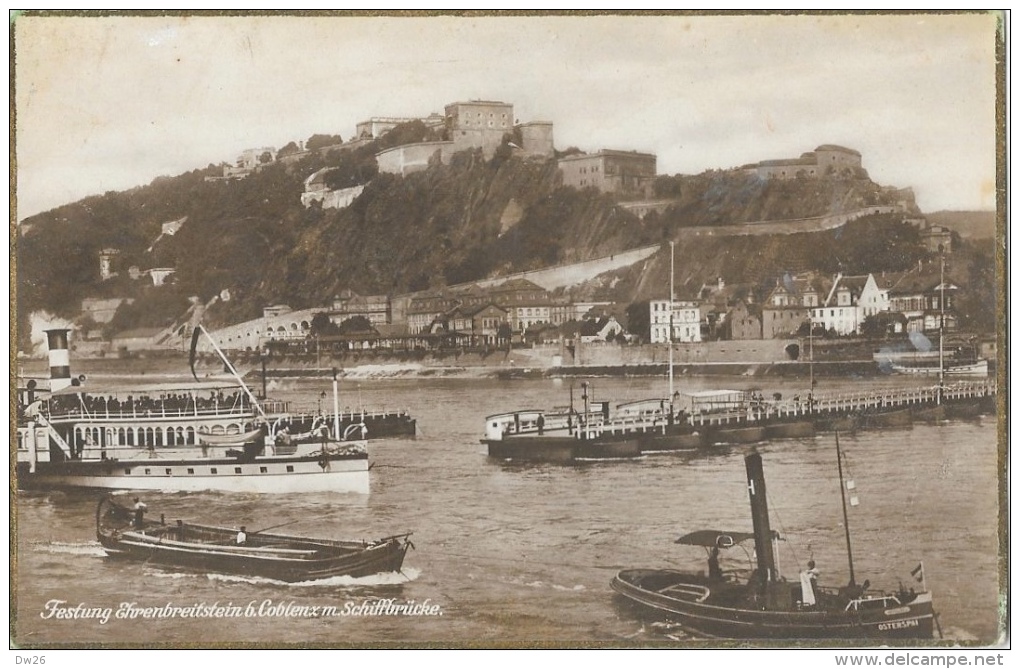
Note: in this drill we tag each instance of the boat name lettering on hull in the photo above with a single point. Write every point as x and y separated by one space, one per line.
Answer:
898 625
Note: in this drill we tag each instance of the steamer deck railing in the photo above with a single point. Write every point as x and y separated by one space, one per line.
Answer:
847 404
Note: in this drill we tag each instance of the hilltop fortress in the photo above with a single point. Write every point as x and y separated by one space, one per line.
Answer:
477 124
827 159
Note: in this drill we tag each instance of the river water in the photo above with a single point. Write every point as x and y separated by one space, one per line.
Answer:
514 554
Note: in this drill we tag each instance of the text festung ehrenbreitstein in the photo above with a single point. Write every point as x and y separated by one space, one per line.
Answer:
58 609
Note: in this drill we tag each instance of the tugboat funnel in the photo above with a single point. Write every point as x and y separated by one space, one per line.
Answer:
760 518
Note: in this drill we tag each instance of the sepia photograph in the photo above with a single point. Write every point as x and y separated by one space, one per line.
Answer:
470 330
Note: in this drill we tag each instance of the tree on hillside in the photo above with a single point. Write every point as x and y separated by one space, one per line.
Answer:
883 323
289 148
668 186
322 326
356 325
639 320
318 141
976 306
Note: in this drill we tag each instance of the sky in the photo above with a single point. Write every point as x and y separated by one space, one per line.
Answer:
109 103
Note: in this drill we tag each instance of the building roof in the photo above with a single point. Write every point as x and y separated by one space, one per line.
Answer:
480 102
915 282
854 283
516 284
782 162
886 280
837 147
605 153
471 312
798 286
753 310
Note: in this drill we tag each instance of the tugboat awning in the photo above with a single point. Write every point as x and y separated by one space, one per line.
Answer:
719 538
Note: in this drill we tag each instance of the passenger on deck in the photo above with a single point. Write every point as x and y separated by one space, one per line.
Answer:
812 572
139 509
808 582
242 537
714 571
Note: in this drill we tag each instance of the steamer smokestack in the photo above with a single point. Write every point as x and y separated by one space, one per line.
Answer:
60 360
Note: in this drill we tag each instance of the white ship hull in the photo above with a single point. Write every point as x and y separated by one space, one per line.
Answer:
979 368
263 475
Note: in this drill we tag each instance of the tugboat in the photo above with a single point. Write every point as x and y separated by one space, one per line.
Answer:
763 605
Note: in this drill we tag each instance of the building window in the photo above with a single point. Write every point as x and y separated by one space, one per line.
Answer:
169 471
290 469
127 471
263 470
214 471
190 470
237 470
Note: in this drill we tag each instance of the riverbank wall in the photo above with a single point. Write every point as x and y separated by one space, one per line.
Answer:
783 358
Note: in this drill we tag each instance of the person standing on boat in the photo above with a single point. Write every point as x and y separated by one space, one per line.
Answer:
242 537
139 509
808 583
714 571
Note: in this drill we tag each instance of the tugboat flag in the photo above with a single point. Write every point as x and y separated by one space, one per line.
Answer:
918 572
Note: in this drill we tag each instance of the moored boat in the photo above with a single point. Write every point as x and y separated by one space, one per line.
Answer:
585 442
378 424
672 438
125 533
665 427
953 368
886 418
759 603
197 436
564 435
796 429
737 434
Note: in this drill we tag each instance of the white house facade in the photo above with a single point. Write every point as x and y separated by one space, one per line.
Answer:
686 319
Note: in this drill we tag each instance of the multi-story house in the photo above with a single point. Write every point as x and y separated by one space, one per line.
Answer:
427 308
481 325
742 322
918 296
526 303
376 308
844 310
789 306
685 317
563 310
